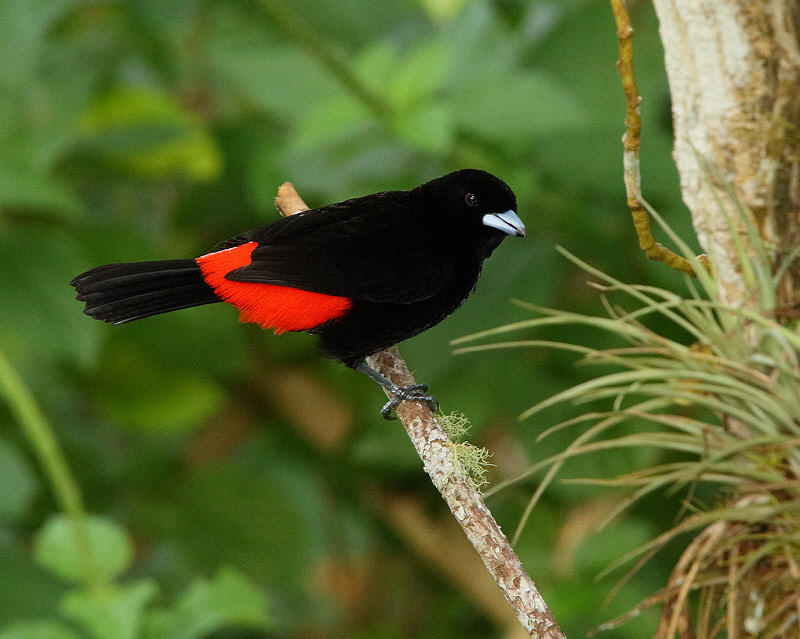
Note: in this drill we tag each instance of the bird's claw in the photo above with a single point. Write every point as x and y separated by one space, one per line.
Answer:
415 393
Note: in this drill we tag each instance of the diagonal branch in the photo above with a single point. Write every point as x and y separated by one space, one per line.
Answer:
464 500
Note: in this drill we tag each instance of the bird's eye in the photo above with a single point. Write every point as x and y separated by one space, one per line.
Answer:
471 199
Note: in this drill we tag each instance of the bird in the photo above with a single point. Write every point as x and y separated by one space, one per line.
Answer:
362 274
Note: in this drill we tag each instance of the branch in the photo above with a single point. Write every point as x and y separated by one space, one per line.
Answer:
632 142
464 500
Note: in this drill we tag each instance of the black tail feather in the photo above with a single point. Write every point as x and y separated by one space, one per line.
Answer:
120 293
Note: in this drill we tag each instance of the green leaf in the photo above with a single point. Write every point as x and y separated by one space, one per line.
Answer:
515 108
421 73
277 79
443 10
481 48
148 132
56 547
332 122
23 32
230 515
38 629
27 591
19 483
150 395
376 64
430 129
22 185
116 612
42 91
229 599
39 315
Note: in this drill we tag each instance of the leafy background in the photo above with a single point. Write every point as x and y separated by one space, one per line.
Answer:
240 486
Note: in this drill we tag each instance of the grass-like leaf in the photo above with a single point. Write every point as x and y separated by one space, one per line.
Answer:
725 409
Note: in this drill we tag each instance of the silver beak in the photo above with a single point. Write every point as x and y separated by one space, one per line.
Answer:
507 222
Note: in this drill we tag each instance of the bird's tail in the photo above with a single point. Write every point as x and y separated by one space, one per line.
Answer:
120 293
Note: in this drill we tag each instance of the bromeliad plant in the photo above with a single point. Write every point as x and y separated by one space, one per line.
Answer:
729 401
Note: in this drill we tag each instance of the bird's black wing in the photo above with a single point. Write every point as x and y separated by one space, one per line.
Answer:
371 249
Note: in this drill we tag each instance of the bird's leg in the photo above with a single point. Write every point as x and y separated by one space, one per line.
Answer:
413 393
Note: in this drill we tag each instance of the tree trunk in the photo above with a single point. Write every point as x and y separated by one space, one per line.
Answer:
734 75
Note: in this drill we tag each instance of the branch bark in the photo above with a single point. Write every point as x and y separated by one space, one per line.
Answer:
464 500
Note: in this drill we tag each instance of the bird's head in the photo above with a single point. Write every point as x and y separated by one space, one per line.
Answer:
475 206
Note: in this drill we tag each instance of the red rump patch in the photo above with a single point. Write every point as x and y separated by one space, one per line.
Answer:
280 307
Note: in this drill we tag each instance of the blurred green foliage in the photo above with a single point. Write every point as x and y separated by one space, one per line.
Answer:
226 465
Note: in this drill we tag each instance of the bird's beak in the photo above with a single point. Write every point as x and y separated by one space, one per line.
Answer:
507 222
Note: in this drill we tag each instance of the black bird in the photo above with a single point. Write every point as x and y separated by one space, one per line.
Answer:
363 274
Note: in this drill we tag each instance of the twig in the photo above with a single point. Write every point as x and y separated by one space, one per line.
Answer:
289 201
632 142
463 499
51 458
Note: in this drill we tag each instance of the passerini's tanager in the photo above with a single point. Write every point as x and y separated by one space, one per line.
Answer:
362 274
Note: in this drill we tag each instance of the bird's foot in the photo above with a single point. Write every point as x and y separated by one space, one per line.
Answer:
415 393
